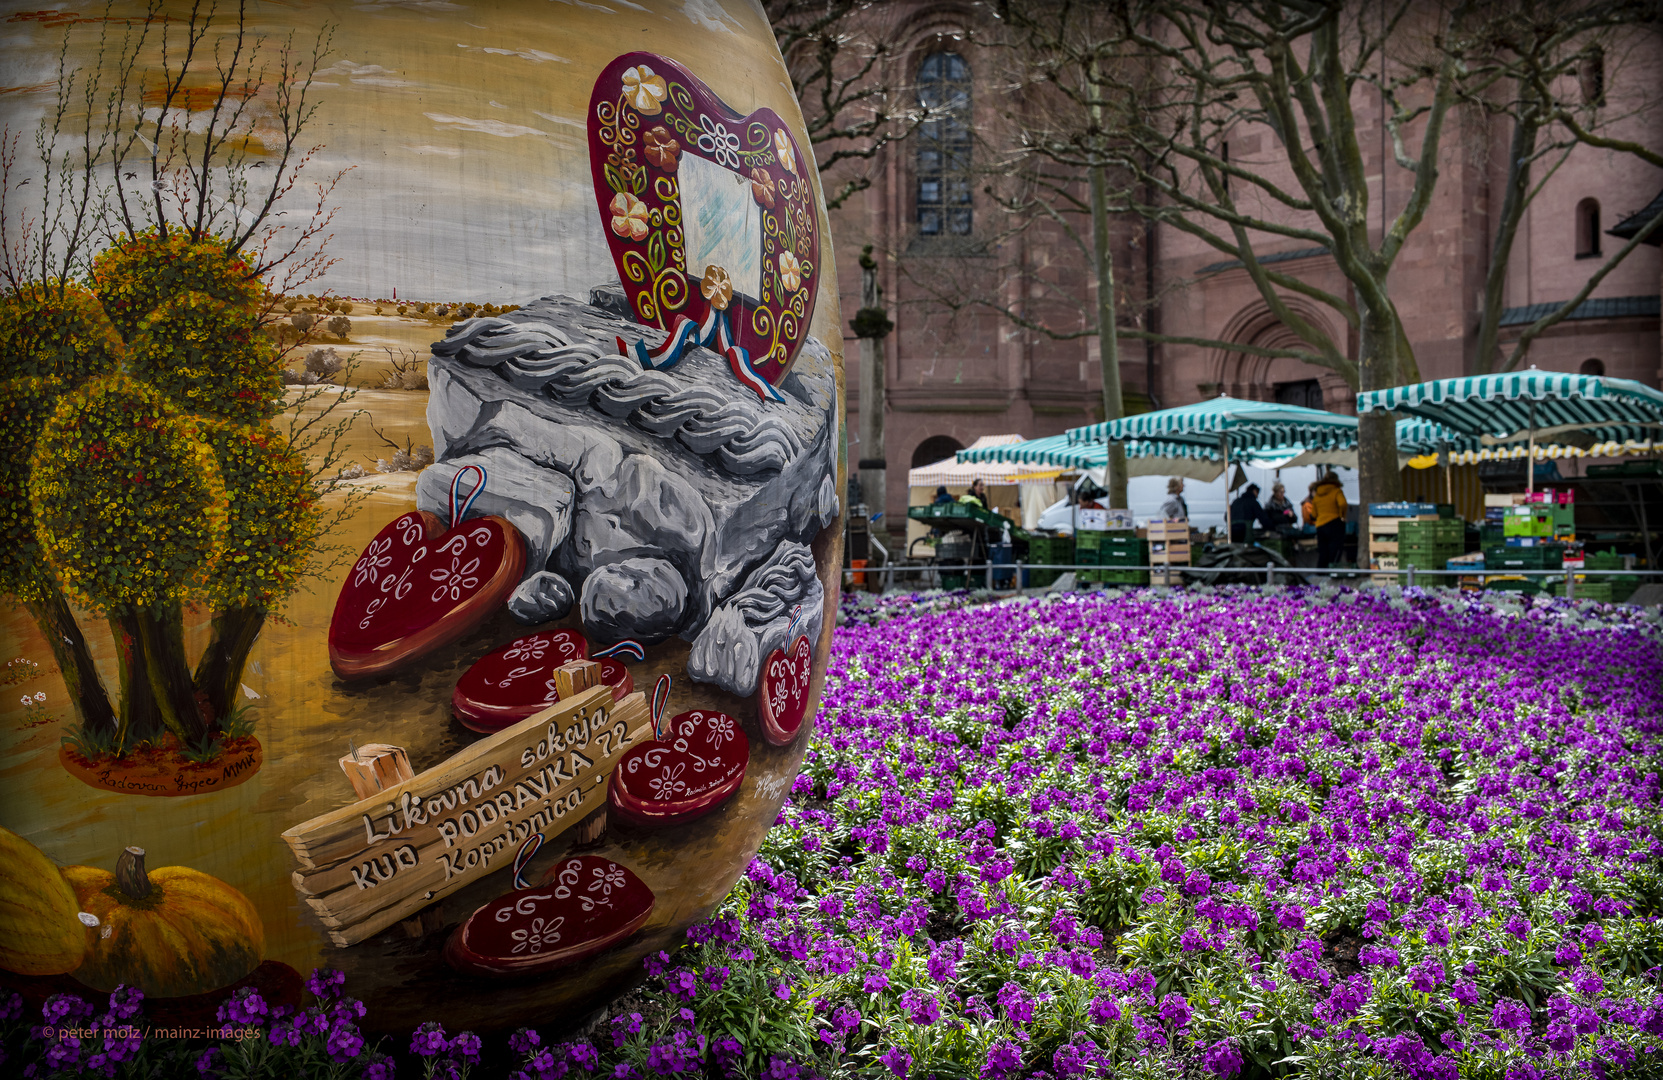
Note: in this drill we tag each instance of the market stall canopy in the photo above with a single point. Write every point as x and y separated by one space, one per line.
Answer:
950 472
1243 425
1497 409
1144 457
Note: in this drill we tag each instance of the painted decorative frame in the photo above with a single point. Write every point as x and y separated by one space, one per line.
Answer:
647 116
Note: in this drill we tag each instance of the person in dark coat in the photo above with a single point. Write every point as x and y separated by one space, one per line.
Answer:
1243 512
941 496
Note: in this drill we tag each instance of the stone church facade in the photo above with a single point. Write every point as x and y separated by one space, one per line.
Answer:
956 371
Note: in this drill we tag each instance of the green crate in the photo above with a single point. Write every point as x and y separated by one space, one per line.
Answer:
1602 560
1123 577
954 581
1094 539
1585 590
1431 532
1052 550
1087 557
1523 558
1040 579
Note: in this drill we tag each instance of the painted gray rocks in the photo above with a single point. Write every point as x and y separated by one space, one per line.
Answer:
660 503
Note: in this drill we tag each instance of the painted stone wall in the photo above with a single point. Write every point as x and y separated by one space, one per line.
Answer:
493 493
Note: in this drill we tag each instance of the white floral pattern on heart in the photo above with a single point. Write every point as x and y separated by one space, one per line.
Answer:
717 141
541 932
456 578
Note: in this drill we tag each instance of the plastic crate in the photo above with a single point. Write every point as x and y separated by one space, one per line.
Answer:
1505 584
1585 590
1123 577
1517 558
1441 530
1052 550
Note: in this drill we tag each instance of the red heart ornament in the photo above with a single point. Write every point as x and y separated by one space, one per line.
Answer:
698 766
509 684
782 697
584 905
708 213
418 587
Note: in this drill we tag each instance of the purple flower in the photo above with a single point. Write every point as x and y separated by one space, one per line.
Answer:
1004 1058
921 1007
1175 1010
1518 926
429 1040
1509 1015
897 1061
1223 1059
466 1046
1018 1006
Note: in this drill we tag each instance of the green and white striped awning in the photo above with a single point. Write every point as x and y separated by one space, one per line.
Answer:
1245 425
1416 436
1057 452
1505 408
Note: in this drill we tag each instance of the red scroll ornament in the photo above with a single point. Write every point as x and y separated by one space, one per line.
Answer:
696 765
418 586
782 696
647 115
584 905
506 686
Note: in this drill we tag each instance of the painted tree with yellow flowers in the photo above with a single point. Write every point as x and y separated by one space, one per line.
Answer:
145 471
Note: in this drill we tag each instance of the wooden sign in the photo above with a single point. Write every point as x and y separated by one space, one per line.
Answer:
366 866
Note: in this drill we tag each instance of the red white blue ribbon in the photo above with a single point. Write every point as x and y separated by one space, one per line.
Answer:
527 850
714 333
457 515
631 649
660 699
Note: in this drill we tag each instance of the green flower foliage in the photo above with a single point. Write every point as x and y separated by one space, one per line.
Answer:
205 355
128 503
57 330
139 273
272 516
25 406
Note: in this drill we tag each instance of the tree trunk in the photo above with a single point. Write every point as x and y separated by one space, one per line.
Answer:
1108 334
140 722
69 648
1378 478
161 640
219 674
1487 349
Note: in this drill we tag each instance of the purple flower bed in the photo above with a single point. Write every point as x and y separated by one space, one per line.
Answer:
1216 833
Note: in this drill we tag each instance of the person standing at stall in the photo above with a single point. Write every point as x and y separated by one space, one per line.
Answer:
1328 498
1243 513
977 494
1175 508
1279 512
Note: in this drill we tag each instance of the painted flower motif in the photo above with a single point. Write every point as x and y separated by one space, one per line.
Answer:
720 143
785 151
791 271
629 216
763 188
644 90
717 287
660 149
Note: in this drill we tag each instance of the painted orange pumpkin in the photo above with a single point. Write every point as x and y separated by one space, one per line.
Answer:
171 932
40 933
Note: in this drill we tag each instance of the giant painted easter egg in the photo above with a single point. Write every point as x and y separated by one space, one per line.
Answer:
461 406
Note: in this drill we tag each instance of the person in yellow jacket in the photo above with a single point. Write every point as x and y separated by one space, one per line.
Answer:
1328 498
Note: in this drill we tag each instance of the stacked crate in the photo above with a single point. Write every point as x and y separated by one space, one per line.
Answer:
1048 551
1385 522
1622 585
1429 544
1169 547
1110 554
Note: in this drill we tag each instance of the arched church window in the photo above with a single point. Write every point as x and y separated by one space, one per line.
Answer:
944 159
